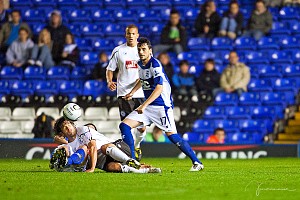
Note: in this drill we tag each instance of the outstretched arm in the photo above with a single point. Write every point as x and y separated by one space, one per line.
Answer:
93 153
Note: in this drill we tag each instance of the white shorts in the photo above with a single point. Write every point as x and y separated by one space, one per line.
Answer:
162 118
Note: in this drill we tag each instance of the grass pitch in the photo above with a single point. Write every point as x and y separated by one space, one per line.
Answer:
264 178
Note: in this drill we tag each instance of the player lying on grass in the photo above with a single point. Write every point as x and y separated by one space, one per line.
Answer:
88 149
158 106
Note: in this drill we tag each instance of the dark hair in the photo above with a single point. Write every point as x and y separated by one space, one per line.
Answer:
143 40
218 129
16 11
209 60
101 53
57 125
23 29
183 62
203 7
72 37
174 11
260 1
233 2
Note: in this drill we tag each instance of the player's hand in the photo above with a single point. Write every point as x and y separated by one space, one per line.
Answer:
229 90
112 85
140 109
206 29
128 96
90 170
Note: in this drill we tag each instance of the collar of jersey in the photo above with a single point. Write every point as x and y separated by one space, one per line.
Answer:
148 65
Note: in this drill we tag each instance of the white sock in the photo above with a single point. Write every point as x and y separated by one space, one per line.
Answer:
138 138
127 169
116 154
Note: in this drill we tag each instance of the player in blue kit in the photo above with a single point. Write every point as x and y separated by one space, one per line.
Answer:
158 106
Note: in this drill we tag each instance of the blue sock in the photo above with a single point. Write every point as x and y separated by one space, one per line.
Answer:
184 147
77 157
127 137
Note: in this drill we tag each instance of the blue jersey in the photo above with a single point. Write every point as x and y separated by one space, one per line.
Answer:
150 76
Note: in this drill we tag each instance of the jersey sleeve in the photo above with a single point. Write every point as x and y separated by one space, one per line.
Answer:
157 73
85 135
113 62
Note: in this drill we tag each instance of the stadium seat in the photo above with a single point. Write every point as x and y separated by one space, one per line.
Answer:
36 27
291 71
102 45
260 85
4 87
288 42
149 16
203 126
20 3
88 58
123 16
34 73
267 43
249 99
286 84
246 138
263 112
94 88
252 126
91 30
26 127
294 26
270 71
46 89
34 15
75 28
58 73
102 15
214 112
226 99
84 44
198 43
288 13
70 89
10 127
280 28
194 137
245 43
113 4
204 55
68 4
108 127
238 112
137 4
113 30
296 56
53 112
246 12
160 4
191 57
91 4
277 57
44 3
273 99
23 114
22 89
114 113
5 114
221 43
95 113
191 14
230 126
255 58
79 73
79 15
11 73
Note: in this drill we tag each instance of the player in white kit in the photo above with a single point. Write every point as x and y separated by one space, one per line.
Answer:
103 152
158 106
124 58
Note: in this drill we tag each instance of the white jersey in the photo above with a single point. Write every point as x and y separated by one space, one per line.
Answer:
125 59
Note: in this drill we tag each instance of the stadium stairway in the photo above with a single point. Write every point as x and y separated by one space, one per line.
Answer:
291 133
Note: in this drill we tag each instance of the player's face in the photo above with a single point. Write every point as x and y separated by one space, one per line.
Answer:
144 52
131 36
68 129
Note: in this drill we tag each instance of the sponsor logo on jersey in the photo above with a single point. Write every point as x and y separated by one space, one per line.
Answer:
131 64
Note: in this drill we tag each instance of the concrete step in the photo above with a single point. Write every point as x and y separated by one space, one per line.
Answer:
297 115
292 130
293 122
290 137
285 142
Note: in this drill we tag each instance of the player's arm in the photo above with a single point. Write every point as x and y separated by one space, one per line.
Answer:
93 153
109 77
136 87
58 139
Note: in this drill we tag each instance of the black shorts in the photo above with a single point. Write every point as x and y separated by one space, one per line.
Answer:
126 107
123 147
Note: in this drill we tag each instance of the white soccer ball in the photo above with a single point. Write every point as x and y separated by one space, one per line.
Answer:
71 111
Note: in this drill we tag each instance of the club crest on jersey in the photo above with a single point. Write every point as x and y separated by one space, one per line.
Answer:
131 64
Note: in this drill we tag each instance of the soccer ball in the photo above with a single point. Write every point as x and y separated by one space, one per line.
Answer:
71 111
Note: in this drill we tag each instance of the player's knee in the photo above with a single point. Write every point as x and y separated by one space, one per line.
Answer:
142 130
103 148
107 148
114 167
124 127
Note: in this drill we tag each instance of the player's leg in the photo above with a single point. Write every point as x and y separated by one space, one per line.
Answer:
118 167
78 157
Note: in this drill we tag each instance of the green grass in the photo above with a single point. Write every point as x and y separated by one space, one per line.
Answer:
221 179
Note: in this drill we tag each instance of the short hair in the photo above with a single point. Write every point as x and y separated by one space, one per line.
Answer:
209 60
183 62
143 40
57 125
233 2
174 11
260 1
131 26
24 29
218 129
233 52
16 11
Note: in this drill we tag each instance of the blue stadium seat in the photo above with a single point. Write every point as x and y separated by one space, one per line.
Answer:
230 126
91 4
79 73
252 126
204 55
226 99
277 57
113 4
254 57
203 126
102 45
249 99
246 138
34 73
286 84
198 43
149 16
58 73
91 30
183 3
79 15
290 97
44 3
36 28
294 26
214 112
296 56
199 2
238 112
288 42
20 3
221 43
273 98
288 13
246 12
254 71
11 73
94 88
267 43
193 137
75 28
22 88
191 14
123 16
4 87
46 89
268 71
113 30
160 4
264 113
88 58
70 89
191 57
280 28
245 43
68 4
34 15
84 44
118 40
137 4
291 71
102 15
260 85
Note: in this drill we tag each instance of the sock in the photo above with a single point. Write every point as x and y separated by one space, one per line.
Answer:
77 157
127 169
138 138
116 154
184 147
127 137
